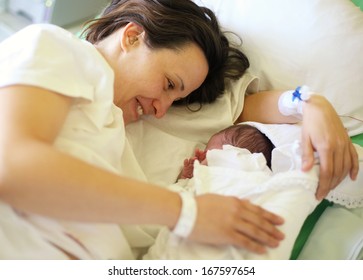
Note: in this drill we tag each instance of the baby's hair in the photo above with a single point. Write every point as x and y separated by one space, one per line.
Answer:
248 137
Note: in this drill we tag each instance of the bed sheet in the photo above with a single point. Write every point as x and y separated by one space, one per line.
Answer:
330 222
327 225
338 235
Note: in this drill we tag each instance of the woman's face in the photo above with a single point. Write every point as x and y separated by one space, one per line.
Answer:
148 81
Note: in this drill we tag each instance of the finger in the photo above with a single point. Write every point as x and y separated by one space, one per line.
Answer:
355 162
197 152
260 212
307 157
249 244
261 229
341 164
257 235
325 174
258 224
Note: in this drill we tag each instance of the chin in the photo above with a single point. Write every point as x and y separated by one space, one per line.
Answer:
128 116
128 120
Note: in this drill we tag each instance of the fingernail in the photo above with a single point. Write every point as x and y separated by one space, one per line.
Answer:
261 250
281 235
274 244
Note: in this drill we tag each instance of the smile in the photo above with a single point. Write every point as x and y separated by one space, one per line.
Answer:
139 109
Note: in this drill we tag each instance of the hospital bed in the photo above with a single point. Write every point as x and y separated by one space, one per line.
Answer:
289 42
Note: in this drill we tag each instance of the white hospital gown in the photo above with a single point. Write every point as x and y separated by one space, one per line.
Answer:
49 57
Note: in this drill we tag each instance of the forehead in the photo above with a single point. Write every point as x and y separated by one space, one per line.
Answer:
188 61
215 142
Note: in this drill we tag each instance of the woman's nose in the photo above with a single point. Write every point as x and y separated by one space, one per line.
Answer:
161 106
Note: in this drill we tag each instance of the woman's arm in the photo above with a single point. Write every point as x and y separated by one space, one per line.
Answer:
322 131
263 107
35 177
38 178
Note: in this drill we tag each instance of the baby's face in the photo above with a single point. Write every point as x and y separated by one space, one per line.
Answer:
215 142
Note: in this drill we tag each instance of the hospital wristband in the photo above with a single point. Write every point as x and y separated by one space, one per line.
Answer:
188 215
291 101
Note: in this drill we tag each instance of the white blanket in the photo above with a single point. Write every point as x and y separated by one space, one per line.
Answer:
287 192
237 172
340 225
338 235
348 194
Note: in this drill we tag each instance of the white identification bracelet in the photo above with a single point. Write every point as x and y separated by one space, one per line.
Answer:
188 215
290 102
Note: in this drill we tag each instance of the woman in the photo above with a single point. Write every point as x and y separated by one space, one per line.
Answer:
64 104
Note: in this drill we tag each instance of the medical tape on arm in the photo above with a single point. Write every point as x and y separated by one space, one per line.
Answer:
291 101
188 215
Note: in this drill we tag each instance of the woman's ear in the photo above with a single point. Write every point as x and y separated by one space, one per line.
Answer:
131 36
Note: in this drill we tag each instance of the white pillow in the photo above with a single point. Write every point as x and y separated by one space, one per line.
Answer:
289 43
293 42
161 145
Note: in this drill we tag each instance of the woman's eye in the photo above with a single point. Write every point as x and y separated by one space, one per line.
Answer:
170 84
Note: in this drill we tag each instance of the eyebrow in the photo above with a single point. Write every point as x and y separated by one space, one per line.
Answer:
181 82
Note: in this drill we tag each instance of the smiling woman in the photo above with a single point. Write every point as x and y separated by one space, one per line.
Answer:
62 128
154 79
167 32
64 103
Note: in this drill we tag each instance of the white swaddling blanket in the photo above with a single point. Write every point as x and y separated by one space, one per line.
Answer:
288 192
348 194
340 225
237 172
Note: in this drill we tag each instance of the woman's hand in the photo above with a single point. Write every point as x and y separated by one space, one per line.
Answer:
232 221
323 132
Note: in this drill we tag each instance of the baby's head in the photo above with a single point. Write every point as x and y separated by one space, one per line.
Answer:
243 136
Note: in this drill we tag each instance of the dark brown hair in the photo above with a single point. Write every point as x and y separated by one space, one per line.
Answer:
248 137
173 24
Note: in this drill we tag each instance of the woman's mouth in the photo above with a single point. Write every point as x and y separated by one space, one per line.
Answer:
139 109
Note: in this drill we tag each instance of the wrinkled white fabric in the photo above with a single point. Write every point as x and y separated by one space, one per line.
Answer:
93 131
338 235
286 157
289 194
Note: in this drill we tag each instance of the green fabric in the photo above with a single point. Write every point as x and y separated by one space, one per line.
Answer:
358 139
308 227
359 3
315 215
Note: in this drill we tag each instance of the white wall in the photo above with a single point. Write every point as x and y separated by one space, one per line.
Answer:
2 5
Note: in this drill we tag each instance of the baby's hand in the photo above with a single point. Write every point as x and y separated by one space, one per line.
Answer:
200 155
187 171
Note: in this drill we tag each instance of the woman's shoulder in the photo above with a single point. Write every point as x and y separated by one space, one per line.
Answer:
38 32
44 39
51 37
46 55
44 29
